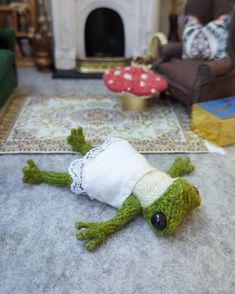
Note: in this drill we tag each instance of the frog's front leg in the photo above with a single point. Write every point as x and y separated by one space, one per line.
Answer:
34 176
96 233
78 141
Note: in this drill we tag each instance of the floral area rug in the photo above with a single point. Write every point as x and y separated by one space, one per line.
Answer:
40 124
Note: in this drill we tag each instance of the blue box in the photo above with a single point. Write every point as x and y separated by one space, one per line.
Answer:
215 120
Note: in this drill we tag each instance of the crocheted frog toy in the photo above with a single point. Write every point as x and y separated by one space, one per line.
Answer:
116 174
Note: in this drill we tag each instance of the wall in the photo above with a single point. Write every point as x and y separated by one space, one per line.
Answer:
164 19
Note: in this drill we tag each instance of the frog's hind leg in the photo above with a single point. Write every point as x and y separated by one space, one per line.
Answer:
181 166
78 142
34 176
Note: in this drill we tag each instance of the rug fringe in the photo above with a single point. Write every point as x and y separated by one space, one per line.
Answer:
8 114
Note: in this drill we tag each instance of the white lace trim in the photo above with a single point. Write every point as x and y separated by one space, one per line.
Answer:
76 167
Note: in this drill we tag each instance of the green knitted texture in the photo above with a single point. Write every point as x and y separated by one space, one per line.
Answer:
181 166
179 199
34 176
96 233
78 142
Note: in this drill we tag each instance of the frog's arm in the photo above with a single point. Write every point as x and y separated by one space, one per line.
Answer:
34 176
78 142
181 166
96 233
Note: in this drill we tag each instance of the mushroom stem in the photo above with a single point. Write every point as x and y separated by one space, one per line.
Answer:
133 103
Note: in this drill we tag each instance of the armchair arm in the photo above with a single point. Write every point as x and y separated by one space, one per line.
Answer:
7 39
167 52
213 69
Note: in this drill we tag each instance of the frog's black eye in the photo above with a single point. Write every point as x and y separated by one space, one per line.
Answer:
158 220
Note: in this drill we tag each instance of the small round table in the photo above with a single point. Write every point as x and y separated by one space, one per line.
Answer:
135 84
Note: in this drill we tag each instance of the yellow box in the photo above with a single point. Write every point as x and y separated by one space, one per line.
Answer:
215 121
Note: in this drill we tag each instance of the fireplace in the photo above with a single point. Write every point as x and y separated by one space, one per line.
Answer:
103 29
104 34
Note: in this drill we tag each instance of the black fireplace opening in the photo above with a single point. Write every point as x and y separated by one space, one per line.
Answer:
104 34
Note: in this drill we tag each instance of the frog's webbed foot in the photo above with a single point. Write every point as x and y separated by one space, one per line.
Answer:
96 233
181 166
78 142
32 174
93 233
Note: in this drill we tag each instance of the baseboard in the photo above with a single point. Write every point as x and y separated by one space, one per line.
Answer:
73 74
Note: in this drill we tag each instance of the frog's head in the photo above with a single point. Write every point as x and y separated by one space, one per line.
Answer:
167 212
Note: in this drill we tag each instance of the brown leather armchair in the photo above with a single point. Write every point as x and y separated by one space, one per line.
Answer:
192 81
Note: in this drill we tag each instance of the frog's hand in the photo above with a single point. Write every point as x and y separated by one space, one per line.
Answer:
34 176
96 233
78 142
181 166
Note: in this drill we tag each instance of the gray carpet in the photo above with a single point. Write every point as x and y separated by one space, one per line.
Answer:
39 253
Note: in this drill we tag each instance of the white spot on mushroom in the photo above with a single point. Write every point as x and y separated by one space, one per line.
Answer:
117 72
128 68
144 76
153 91
128 89
158 79
110 81
127 77
142 84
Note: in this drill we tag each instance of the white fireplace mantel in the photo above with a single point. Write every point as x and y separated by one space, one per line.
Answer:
140 19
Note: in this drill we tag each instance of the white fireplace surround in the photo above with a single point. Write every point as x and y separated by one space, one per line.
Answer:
141 18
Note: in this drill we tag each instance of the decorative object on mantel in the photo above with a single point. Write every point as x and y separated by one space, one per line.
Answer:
42 39
146 60
42 122
135 84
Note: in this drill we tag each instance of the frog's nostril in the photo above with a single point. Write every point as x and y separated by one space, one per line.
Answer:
196 190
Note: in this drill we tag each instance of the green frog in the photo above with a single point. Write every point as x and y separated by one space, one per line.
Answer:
116 174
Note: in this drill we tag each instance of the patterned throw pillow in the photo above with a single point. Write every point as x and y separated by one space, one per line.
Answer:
207 42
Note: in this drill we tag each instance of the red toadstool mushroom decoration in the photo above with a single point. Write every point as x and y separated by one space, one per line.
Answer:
135 83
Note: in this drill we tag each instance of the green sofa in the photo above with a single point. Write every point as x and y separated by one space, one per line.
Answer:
8 76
